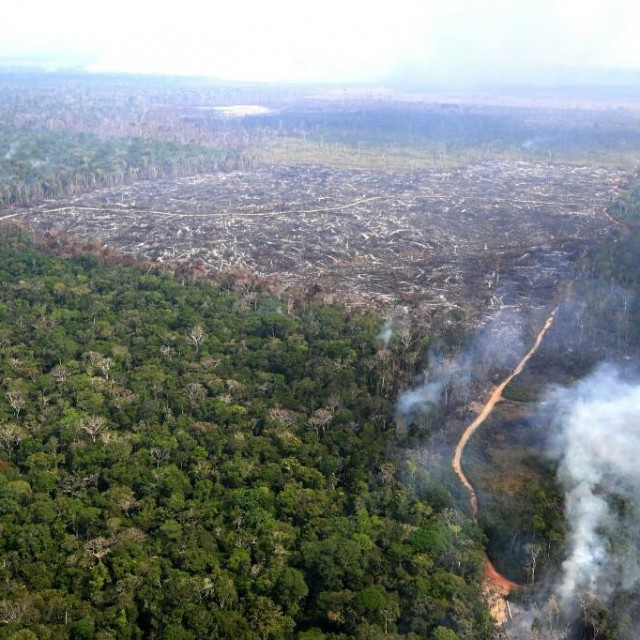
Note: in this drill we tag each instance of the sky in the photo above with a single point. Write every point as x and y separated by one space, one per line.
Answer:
329 40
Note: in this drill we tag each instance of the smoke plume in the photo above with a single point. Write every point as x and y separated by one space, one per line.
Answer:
386 333
596 438
497 344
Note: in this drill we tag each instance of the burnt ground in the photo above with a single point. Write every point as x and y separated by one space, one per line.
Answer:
482 236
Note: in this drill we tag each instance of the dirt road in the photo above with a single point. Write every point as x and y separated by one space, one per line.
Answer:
496 586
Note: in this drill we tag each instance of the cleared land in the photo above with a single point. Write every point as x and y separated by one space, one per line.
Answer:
476 237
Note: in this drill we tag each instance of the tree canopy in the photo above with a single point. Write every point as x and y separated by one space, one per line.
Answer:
177 464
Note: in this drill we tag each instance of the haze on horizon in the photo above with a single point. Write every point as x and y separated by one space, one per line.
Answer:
460 41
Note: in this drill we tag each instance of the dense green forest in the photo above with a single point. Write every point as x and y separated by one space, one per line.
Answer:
179 463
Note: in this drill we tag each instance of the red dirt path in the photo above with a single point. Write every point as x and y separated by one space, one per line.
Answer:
496 586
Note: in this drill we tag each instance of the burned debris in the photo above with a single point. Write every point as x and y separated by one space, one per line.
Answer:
487 235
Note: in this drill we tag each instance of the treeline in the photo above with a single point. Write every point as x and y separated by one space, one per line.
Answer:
626 208
178 464
46 164
611 279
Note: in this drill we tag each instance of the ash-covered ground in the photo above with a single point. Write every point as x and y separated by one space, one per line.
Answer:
475 237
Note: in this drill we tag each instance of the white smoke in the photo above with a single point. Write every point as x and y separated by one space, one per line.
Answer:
597 441
497 344
423 399
386 333
396 325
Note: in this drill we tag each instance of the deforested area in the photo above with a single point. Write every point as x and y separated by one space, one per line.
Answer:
481 236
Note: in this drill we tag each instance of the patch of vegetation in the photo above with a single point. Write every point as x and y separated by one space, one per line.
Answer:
518 392
626 208
616 259
521 507
44 164
177 464
398 137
